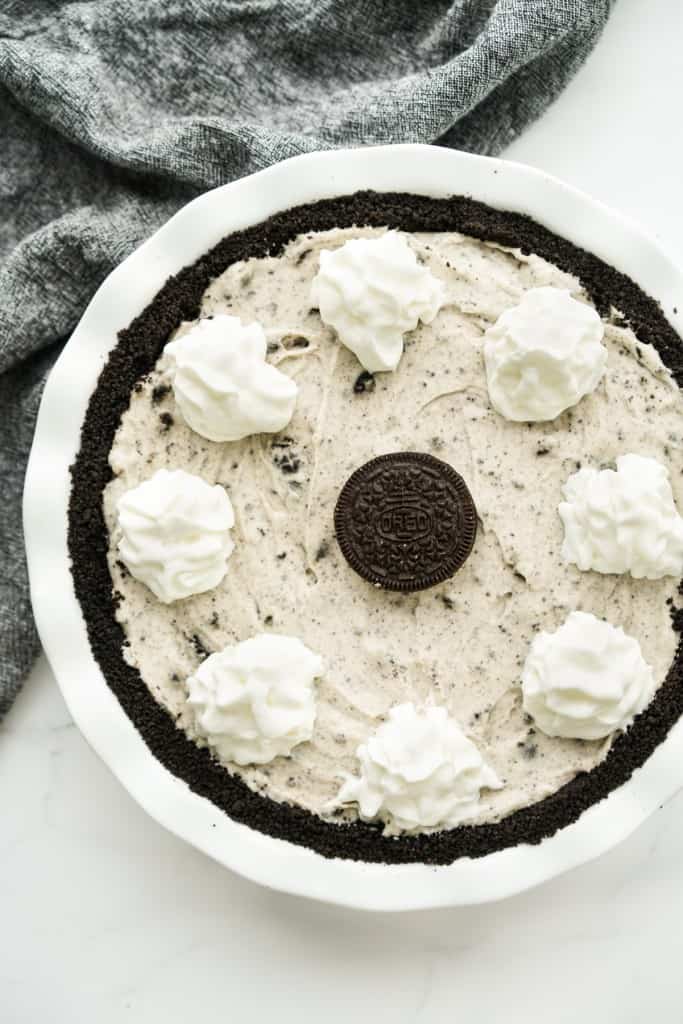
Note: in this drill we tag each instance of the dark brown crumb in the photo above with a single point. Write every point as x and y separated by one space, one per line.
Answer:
528 748
287 463
136 352
295 341
166 421
200 647
323 551
365 382
160 392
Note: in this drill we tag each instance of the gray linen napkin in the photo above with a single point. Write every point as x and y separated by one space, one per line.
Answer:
113 113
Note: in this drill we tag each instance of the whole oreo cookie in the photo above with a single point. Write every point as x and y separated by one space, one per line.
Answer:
405 521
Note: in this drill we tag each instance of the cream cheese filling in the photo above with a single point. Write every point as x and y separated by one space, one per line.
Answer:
460 644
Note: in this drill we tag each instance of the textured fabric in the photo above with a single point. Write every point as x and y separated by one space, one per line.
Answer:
113 113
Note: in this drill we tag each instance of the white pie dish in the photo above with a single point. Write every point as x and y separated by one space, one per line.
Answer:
198 226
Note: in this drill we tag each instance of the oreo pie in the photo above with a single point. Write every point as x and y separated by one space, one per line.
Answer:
375 528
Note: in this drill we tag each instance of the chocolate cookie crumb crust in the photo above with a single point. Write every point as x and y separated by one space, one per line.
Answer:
137 350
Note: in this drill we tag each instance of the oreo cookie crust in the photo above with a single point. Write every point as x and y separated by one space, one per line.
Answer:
135 354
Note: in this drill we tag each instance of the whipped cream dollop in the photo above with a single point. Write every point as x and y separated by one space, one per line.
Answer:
623 520
175 533
418 771
222 383
373 290
255 700
543 355
585 680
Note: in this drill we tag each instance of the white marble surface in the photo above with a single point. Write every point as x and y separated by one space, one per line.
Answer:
105 917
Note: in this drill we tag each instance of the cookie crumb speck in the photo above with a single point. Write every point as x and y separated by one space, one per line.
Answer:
160 392
364 383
